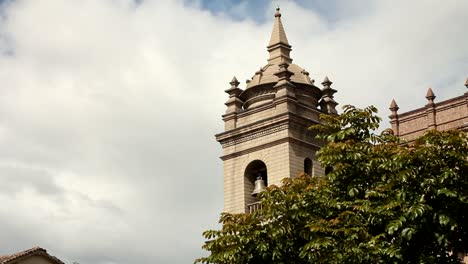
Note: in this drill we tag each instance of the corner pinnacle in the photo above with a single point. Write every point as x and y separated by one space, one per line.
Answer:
326 82
234 82
430 95
393 106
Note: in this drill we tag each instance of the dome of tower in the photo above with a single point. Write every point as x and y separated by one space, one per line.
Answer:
266 74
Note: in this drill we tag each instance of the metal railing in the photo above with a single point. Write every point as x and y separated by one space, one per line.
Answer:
252 207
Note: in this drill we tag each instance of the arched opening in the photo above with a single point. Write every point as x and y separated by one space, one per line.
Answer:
308 166
255 169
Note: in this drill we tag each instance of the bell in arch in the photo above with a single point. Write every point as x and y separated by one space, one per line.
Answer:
259 186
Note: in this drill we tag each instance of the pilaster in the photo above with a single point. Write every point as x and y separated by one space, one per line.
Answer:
394 120
430 110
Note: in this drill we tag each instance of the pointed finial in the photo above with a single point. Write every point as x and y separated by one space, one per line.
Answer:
278 34
234 83
466 82
326 82
430 96
234 90
277 14
393 106
327 103
278 47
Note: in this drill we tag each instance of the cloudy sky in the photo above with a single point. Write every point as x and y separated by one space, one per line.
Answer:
108 108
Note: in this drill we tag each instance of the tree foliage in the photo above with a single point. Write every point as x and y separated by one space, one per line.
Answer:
384 201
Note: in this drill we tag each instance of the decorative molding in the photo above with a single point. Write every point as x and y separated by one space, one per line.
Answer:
265 127
271 144
253 135
251 126
256 148
449 103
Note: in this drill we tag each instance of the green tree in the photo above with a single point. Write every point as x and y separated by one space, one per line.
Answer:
384 201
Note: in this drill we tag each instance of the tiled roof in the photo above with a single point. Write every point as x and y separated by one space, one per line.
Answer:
35 251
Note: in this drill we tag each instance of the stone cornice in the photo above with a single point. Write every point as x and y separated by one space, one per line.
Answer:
256 124
256 148
440 106
270 144
254 134
263 127
251 127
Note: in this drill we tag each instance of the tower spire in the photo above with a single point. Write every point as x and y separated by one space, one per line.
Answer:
279 47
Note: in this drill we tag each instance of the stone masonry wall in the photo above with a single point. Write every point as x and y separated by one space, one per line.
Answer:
299 152
275 159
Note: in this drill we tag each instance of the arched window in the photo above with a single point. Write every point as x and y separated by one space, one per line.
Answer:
255 169
308 166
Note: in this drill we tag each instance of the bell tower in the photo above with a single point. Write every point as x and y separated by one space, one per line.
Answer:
265 136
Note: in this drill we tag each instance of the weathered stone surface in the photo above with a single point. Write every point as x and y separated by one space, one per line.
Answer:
279 104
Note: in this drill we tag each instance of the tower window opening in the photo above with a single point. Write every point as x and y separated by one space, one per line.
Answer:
255 171
308 166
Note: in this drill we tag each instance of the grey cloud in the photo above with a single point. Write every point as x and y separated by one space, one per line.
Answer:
16 178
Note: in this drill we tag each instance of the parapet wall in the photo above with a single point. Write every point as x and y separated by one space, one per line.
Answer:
444 115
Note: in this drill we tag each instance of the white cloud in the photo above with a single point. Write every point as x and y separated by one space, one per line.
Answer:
108 109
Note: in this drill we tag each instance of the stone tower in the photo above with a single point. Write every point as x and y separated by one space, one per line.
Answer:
266 125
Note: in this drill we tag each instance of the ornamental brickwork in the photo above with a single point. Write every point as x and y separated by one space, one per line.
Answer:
445 115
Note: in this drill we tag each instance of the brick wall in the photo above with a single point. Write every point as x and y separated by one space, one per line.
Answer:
445 115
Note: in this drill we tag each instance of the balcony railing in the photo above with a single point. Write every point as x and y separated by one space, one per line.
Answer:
252 207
